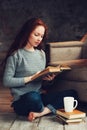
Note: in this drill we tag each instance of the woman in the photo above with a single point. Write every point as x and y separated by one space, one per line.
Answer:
24 59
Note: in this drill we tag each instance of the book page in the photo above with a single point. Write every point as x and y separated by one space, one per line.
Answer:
49 70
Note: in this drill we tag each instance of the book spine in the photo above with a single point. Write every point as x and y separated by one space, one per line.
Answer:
61 120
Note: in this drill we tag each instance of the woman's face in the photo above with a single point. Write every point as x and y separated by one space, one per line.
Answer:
36 36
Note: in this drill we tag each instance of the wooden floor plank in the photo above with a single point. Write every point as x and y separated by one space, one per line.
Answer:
77 126
50 123
6 120
22 123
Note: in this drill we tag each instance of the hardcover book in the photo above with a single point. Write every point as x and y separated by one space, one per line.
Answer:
65 120
51 69
71 115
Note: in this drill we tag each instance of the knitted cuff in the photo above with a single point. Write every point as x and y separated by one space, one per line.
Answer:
53 110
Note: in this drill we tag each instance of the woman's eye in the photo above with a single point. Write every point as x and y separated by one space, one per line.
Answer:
39 35
36 34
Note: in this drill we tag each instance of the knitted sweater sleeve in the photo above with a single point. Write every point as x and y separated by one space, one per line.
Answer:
9 78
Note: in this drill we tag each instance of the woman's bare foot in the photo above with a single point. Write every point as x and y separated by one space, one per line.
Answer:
33 115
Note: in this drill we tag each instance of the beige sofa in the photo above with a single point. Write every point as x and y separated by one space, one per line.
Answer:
74 54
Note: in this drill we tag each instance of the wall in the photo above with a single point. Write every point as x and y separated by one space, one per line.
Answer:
66 19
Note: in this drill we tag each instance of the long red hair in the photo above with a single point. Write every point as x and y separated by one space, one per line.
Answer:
21 39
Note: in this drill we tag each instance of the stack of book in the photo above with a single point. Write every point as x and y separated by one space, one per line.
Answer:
70 117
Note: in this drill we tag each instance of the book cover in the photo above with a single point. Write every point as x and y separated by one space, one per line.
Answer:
65 120
49 70
71 115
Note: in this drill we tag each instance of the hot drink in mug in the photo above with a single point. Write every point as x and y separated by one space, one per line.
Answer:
70 104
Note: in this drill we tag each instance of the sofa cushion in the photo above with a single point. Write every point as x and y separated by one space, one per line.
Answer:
69 50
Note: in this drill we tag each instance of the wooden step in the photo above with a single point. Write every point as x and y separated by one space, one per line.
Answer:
5 100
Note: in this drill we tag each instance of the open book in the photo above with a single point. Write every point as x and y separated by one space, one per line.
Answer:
49 70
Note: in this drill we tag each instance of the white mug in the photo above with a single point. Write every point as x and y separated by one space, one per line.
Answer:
70 104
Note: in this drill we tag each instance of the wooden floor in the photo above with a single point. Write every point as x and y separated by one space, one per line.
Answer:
10 121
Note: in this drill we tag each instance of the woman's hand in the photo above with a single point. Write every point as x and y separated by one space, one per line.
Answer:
29 78
49 77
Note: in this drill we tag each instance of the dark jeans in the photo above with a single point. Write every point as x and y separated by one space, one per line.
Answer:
33 101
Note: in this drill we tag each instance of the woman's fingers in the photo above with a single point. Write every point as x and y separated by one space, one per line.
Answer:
49 77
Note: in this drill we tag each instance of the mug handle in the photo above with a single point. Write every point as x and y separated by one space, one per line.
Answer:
76 103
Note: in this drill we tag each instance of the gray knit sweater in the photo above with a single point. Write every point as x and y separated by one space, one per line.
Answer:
23 63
